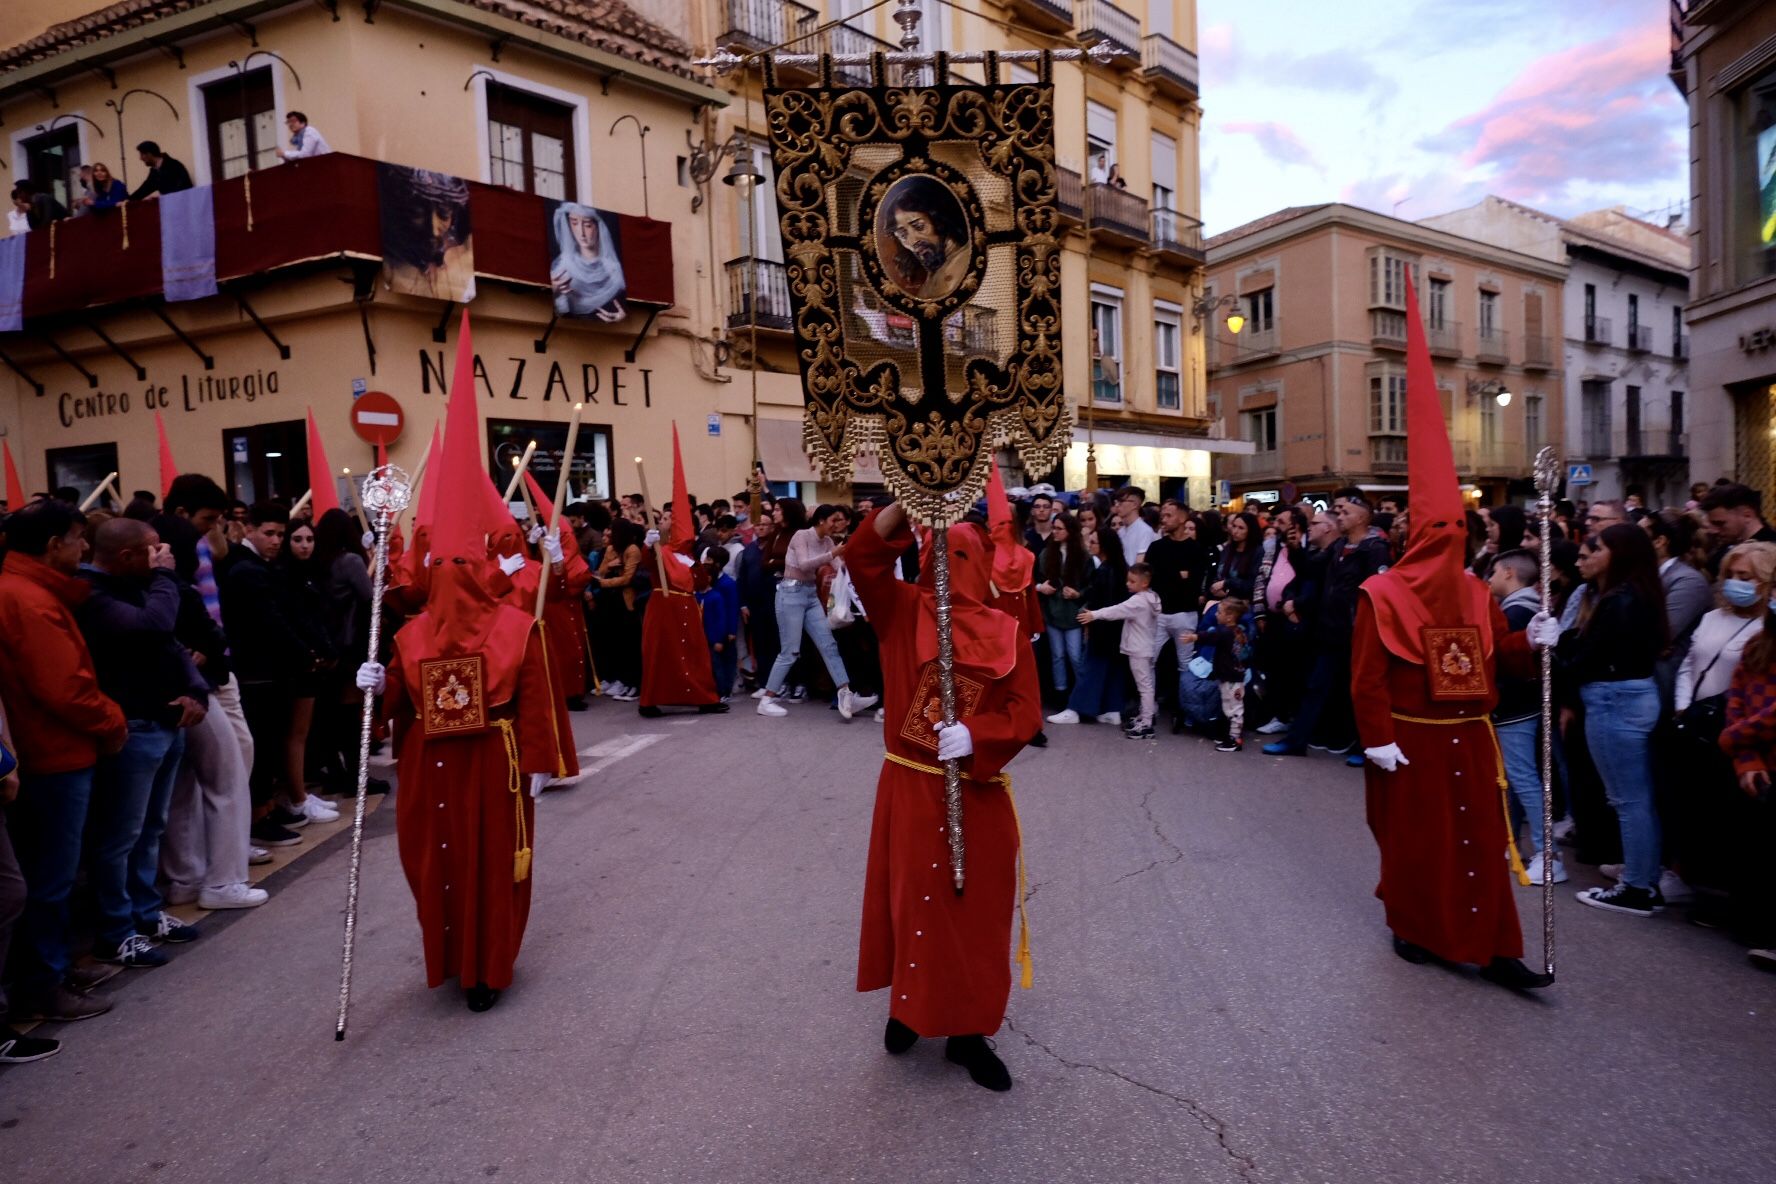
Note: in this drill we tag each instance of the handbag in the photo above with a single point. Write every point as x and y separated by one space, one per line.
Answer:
1702 722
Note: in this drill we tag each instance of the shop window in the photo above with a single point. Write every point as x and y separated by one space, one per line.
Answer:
243 123
267 461
81 468
1751 207
51 162
590 476
530 140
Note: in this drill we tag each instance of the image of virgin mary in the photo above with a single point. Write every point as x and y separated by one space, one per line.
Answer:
587 275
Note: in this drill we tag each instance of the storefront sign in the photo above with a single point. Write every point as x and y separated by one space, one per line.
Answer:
1267 497
188 395
517 378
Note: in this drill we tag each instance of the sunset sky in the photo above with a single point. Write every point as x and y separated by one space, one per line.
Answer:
1560 104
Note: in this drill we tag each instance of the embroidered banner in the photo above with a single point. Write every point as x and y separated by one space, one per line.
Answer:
188 244
428 246
921 240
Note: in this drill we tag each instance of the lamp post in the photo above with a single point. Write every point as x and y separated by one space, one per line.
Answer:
743 174
118 105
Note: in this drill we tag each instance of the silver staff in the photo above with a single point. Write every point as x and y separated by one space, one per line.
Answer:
386 493
1547 475
946 689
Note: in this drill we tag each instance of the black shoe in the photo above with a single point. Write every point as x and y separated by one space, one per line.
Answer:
713 709
1039 740
1139 733
1512 973
1417 955
1230 746
287 818
975 1053
649 712
898 1037
576 703
373 785
22 1050
267 833
480 997
1622 898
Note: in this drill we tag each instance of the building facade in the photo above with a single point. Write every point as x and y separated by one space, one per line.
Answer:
1624 357
1126 138
1315 380
1724 61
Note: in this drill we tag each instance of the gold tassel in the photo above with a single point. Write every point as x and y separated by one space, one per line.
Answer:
520 856
124 210
1027 977
52 249
247 187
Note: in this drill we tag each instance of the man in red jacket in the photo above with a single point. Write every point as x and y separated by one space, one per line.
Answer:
62 723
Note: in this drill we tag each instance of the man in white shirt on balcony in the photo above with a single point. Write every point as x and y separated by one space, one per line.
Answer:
304 140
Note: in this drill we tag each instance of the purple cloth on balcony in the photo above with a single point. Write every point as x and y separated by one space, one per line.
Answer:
188 244
12 283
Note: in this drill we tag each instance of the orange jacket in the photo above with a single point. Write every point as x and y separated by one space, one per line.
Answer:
61 721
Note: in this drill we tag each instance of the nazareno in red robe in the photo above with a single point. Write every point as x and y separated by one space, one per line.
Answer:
519 591
675 670
564 617
946 959
1440 821
456 815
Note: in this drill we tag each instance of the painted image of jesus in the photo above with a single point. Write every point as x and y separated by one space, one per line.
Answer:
922 238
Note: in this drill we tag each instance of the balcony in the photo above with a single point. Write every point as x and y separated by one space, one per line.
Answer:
1598 331
1387 454
1118 214
1069 194
1680 348
758 295
1490 458
1099 20
1177 234
843 39
1640 339
1054 16
1445 339
1492 348
1650 444
1538 352
760 24
1169 66
1251 466
1254 343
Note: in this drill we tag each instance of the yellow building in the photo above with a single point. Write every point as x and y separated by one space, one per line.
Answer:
1127 147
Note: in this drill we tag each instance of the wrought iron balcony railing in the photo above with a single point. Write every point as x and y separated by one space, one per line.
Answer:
758 294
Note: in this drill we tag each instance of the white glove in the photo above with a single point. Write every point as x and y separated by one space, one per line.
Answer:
537 781
369 540
511 564
1543 630
552 548
954 742
1387 758
652 539
372 678
536 532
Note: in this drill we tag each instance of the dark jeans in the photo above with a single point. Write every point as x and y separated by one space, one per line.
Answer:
1325 713
267 707
1099 689
124 825
725 666
49 819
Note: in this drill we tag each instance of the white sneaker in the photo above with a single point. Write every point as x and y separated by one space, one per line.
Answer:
1672 887
847 706
1110 717
232 896
1610 871
1535 871
1069 716
771 707
317 809
611 689
1274 727
257 856
881 714
863 702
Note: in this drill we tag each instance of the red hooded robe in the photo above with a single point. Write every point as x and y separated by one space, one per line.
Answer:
675 669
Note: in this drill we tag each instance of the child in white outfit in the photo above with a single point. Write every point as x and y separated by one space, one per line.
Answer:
1139 615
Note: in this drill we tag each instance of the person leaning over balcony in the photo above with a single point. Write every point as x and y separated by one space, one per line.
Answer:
304 140
165 174
107 191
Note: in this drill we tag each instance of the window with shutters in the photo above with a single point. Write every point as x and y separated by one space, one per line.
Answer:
1437 309
52 161
1631 416
1489 304
1100 138
530 143
1532 424
1165 172
1260 310
1594 410
1167 385
1387 278
243 123
1387 401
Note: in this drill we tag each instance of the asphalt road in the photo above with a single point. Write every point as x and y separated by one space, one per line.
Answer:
1215 1000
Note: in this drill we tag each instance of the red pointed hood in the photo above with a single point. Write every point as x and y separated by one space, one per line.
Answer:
15 489
324 491
985 638
1013 564
169 468
1430 586
683 539
459 604
545 507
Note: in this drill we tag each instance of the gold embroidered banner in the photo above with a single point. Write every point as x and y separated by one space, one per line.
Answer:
921 241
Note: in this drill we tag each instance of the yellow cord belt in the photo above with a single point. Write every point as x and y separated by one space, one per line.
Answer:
515 782
1504 784
1027 976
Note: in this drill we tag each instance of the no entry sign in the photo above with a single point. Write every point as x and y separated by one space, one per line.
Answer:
377 418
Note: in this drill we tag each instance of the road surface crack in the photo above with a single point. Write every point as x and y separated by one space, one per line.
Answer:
1244 1165
1177 852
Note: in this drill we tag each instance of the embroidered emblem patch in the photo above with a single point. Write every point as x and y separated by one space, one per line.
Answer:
1454 662
453 696
926 710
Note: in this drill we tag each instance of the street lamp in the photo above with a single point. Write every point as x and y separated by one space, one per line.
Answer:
1480 388
1206 306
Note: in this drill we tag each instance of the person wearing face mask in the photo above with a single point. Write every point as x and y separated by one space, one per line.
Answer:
1687 594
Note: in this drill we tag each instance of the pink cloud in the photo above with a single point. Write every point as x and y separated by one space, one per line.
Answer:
1277 140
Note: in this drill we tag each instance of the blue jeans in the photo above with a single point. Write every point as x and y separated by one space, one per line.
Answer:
1619 721
129 813
1523 769
725 667
1099 690
1066 649
799 610
46 823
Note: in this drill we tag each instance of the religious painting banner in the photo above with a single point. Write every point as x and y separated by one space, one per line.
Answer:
428 247
188 244
921 239
586 261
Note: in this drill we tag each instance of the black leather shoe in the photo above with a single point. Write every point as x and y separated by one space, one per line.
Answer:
1512 973
898 1037
1039 740
480 997
1417 955
649 712
713 709
576 703
975 1053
